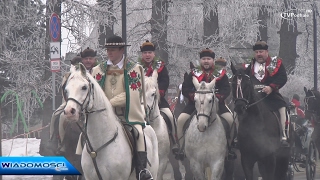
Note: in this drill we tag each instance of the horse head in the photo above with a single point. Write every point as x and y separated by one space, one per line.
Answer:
152 94
205 103
311 104
78 91
241 90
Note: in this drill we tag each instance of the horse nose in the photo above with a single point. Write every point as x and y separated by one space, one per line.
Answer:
70 111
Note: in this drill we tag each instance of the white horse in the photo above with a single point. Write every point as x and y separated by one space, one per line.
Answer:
205 141
157 122
111 157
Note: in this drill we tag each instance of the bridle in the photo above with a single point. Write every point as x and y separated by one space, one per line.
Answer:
306 101
239 94
86 98
93 153
151 108
208 116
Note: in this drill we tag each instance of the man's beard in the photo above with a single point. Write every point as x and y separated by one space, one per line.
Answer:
208 68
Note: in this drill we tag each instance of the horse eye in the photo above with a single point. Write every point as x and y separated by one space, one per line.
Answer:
153 94
210 101
84 87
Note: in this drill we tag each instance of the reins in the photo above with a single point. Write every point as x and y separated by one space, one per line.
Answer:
93 153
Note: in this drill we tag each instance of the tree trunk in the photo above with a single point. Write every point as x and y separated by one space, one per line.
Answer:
263 24
159 28
288 40
210 25
106 30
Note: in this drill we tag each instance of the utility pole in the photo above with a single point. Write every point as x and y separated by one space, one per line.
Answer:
51 6
315 65
124 22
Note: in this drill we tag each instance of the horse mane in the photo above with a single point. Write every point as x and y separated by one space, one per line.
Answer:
202 85
149 83
317 95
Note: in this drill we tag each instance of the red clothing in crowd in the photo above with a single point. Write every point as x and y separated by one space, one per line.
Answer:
299 111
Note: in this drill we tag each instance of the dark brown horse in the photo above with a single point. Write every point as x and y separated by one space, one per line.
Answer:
259 131
53 147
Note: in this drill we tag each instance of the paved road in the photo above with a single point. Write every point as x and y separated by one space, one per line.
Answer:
297 175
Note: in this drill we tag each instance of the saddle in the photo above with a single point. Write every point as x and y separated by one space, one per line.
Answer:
130 132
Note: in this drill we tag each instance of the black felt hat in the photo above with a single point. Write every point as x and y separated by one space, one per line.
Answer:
115 41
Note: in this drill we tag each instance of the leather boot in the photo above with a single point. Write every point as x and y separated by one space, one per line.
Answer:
141 163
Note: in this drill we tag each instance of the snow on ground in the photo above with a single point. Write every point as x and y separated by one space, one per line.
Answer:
22 147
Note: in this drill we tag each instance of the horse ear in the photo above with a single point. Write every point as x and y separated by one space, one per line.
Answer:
195 82
83 70
72 68
185 75
233 69
212 83
305 90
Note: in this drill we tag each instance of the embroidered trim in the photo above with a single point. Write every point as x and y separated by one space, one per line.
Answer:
134 81
218 72
274 65
156 64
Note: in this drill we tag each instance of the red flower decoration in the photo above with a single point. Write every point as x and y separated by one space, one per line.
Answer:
138 83
134 86
98 77
133 74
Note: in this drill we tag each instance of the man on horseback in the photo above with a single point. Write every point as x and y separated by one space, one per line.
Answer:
88 58
207 71
150 63
121 81
270 72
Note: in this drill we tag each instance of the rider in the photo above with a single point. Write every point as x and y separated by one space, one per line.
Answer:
150 63
206 72
270 72
121 81
86 54
296 102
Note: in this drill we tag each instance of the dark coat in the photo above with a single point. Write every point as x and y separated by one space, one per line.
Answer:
222 90
276 79
163 79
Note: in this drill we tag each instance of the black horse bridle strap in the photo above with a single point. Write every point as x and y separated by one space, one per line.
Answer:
93 154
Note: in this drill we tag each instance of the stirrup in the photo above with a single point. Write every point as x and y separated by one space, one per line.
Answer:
175 149
146 171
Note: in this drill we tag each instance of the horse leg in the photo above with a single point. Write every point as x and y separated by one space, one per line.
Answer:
175 167
267 167
247 164
188 174
282 164
217 169
198 170
229 169
162 167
